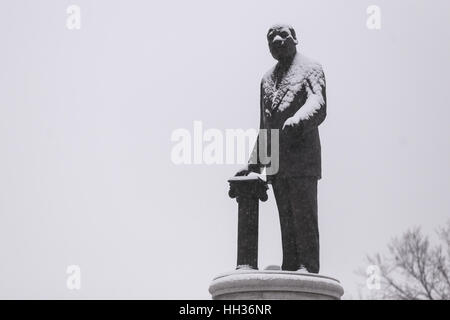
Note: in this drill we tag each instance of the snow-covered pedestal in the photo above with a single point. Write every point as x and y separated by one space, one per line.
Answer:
274 285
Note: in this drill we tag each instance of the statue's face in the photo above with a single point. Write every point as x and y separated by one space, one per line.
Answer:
281 42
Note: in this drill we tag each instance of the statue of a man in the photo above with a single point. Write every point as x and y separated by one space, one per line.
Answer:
293 101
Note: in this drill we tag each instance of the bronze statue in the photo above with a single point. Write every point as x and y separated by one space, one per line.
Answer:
293 100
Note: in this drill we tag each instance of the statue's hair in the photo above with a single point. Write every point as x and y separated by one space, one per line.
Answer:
281 25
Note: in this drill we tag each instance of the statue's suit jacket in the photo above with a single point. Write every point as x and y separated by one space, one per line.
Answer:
296 106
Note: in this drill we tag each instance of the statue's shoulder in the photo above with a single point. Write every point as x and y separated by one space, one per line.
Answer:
309 69
302 67
268 76
307 64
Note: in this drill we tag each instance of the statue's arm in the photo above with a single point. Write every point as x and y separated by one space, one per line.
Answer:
313 112
254 163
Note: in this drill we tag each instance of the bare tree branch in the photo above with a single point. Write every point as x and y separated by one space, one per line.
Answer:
414 269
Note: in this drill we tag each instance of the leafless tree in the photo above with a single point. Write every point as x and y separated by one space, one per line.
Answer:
414 268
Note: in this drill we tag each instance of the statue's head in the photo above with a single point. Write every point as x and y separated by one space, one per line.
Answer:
282 41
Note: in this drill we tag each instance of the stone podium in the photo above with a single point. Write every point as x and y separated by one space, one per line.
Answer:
274 285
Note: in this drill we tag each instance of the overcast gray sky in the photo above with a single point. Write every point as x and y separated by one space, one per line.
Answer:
86 118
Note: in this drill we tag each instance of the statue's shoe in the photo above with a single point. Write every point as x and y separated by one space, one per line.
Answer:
245 267
303 269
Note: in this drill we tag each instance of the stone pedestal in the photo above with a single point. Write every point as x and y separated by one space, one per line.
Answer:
274 285
248 191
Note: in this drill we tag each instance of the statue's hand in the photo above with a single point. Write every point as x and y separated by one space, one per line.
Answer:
247 169
290 123
244 171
